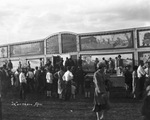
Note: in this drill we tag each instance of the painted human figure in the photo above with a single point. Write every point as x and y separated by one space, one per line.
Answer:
41 63
110 65
95 63
120 64
9 65
116 65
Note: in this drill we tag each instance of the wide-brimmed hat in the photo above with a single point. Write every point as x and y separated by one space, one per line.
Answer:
100 65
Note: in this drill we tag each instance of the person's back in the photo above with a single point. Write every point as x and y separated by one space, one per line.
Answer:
30 74
98 80
79 62
49 82
36 74
128 77
67 62
49 77
146 105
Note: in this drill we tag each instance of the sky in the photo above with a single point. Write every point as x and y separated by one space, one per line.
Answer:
25 20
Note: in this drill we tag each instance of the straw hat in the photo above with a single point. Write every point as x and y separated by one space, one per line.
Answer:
100 65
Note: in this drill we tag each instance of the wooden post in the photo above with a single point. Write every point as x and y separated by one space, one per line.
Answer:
0 108
0 95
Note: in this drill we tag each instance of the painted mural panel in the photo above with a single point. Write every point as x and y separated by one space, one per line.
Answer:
143 38
3 52
34 63
107 41
52 45
90 62
144 56
69 43
36 48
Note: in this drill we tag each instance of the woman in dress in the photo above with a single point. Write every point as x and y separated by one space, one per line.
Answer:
59 76
100 95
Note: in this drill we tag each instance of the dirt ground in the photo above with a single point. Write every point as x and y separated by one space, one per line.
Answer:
37 107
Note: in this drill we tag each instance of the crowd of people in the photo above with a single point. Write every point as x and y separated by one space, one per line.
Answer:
69 79
137 85
64 81
112 65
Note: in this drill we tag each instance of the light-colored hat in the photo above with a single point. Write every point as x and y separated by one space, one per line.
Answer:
100 65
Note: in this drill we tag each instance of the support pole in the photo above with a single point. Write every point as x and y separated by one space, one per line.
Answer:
0 108
0 95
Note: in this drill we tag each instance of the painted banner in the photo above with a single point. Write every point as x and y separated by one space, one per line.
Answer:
143 38
107 41
36 48
144 56
3 52
90 61
34 63
52 45
69 43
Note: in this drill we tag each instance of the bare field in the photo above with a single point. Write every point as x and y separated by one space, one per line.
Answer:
37 107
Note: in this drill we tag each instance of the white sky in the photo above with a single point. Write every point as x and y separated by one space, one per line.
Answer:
25 20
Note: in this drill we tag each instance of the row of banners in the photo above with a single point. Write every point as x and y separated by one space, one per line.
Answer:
87 42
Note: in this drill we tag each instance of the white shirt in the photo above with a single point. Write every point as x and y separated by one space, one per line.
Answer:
140 71
22 78
16 73
49 77
67 76
30 75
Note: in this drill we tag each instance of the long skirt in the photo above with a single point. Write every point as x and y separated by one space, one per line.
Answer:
101 102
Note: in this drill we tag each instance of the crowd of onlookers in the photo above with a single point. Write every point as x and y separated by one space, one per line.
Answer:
138 85
68 79
62 80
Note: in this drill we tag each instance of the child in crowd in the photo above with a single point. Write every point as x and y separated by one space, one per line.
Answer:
87 86
73 89
49 82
